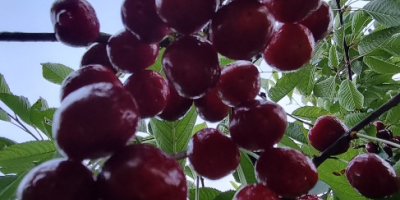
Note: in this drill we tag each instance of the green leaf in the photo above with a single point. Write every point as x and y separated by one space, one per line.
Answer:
306 85
157 66
380 66
4 116
9 185
309 113
393 115
18 104
295 131
55 72
5 142
326 88
198 127
288 142
37 117
352 119
386 12
246 168
392 45
227 195
360 20
3 85
376 39
286 84
205 193
333 59
224 60
349 97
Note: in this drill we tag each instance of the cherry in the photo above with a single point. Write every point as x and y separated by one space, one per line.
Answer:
320 21
213 154
210 107
87 75
379 125
385 134
290 11
255 192
150 91
388 150
75 22
186 17
192 66
141 172
326 130
94 121
309 197
176 107
371 147
372 176
296 41
128 54
286 171
239 82
58 179
97 54
140 17
258 125
241 29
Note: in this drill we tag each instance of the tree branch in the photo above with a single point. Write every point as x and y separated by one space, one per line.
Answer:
345 46
40 37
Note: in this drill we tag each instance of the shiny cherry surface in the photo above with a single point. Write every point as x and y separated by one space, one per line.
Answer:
97 54
210 107
177 106
320 22
290 11
255 192
309 197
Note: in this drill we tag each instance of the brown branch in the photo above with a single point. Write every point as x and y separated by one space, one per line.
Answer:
345 46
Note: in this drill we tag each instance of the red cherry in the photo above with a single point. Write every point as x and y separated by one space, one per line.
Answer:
255 192
309 197
372 176
379 125
388 150
75 22
213 154
320 22
97 54
384 134
211 108
258 125
141 172
290 11
176 107
58 179
286 171
241 29
371 147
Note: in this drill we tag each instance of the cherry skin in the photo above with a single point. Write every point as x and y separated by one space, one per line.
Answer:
211 108
150 91
75 22
128 54
371 147
241 29
309 197
212 154
326 130
192 66
58 179
319 22
255 192
239 82
177 106
290 11
296 41
372 176
87 75
95 121
258 125
186 17
97 54
385 134
379 125
286 171
388 150
142 172
140 17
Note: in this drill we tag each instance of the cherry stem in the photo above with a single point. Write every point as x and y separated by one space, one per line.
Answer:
345 46
300 120
378 140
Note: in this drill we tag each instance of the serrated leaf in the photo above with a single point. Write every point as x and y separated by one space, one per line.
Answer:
326 88
55 72
5 142
386 12
349 97
205 193
4 116
306 85
37 117
246 168
3 85
333 60
286 84
392 45
393 115
18 104
310 112
376 39
10 183
360 20
352 119
295 131
380 66
227 195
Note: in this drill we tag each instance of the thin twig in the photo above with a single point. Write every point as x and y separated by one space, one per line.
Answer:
300 120
378 140
345 46
21 125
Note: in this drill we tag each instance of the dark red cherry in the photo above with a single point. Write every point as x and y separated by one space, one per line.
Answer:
75 22
385 134
326 130
388 150
177 106
290 11
309 197
255 192
212 154
371 147
239 82
286 171
372 176
97 54
142 172
186 17
258 125
210 107
140 17
241 29
297 43
95 121
191 66
379 125
128 54
319 22
87 75
150 91
58 179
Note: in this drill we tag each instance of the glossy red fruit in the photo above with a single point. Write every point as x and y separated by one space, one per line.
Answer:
191 66
87 75
372 176
95 121
58 179
142 172
210 107
186 17
388 150
258 125
326 130
177 106
385 134
212 154
309 197
241 29
371 147
97 54
239 82
255 192
140 17
379 125
128 54
286 171
296 41
319 22
150 91
75 22
290 11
